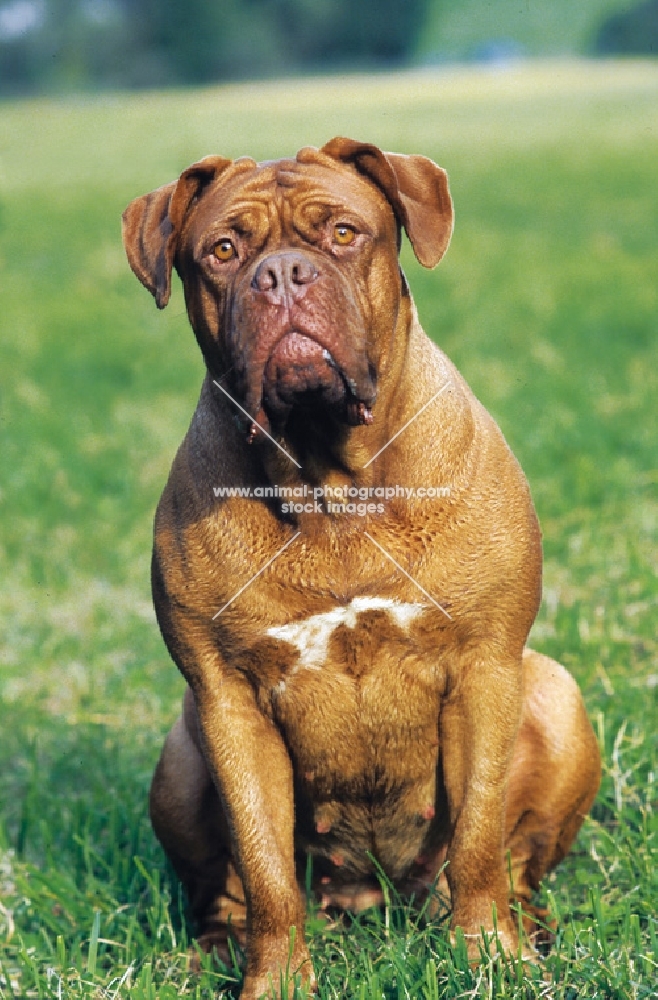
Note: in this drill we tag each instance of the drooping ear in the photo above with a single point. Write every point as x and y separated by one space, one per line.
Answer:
152 225
416 188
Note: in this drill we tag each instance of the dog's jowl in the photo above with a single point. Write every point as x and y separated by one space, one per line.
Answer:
346 567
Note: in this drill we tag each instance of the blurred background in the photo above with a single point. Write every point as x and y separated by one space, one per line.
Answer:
65 45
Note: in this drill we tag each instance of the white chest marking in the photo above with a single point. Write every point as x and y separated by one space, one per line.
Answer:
311 635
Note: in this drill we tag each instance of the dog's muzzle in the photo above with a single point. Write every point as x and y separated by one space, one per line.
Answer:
302 342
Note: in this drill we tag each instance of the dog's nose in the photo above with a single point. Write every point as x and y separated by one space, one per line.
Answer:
284 275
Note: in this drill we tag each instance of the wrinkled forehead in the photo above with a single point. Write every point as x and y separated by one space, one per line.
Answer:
290 186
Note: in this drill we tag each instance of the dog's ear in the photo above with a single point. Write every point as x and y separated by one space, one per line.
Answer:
152 225
416 188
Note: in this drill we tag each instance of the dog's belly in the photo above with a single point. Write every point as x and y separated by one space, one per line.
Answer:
359 708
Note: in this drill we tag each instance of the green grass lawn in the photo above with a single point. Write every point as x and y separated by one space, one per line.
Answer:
547 301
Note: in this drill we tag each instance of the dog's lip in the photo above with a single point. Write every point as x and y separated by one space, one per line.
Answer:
357 410
294 331
359 386
350 383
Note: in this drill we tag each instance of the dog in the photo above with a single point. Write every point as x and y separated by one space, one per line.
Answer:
358 687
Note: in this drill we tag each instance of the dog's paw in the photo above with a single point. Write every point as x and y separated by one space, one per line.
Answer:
539 927
281 982
222 940
489 945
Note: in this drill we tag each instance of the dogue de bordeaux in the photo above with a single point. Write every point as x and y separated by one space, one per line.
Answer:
347 563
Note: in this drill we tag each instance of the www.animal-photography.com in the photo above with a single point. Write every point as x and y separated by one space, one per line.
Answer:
329 514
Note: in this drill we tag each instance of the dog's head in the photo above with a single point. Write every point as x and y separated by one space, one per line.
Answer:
290 268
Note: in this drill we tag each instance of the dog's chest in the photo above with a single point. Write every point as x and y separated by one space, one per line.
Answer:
358 704
359 673
346 636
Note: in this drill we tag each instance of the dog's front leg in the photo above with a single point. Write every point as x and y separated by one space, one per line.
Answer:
479 722
253 772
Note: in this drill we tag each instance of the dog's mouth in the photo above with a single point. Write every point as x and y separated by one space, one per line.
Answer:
302 372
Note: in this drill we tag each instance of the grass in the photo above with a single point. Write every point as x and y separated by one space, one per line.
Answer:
548 303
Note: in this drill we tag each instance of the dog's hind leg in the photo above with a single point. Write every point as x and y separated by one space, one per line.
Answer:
554 776
189 822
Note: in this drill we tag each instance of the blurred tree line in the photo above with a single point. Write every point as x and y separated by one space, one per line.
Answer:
630 32
63 45
77 44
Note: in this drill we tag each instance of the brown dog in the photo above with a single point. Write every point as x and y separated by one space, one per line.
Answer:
358 684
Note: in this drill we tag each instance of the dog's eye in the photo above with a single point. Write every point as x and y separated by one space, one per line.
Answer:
344 235
224 250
